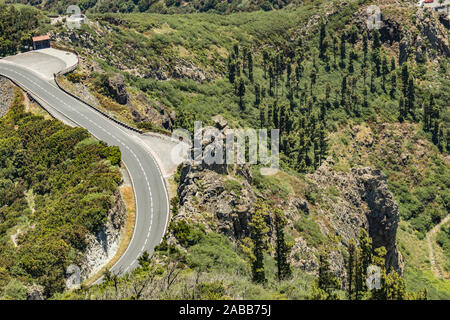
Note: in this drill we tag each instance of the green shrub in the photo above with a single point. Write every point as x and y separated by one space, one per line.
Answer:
215 252
113 154
211 290
188 234
15 290
309 230
233 185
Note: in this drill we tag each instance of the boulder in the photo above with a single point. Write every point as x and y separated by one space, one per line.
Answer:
118 89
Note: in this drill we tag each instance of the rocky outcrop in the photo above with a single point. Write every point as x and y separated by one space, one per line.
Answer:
184 69
154 112
222 198
409 38
118 89
365 201
35 292
6 95
431 30
103 246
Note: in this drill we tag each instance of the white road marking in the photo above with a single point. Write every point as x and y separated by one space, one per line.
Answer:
126 146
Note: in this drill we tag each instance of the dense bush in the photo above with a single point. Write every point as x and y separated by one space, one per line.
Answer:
216 252
443 239
161 6
16 28
188 234
55 187
309 230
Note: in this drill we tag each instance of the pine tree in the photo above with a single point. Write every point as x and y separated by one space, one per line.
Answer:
343 90
276 115
282 247
343 53
376 44
384 72
405 77
435 132
322 44
365 48
441 138
372 82
241 93
410 98
392 64
401 109
236 50
259 241
250 66
327 281
262 116
362 262
393 85
351 268
231 70
335 40
257 95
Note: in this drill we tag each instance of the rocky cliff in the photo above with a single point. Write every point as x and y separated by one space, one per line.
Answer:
222 197
363 200
103 246
6 95
409 38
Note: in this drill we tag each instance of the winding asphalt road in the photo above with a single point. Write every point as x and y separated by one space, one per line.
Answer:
152 205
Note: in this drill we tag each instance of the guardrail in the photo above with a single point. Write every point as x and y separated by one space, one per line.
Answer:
55 75
29 94
72 68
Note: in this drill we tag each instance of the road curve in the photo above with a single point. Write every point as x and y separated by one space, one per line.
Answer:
152 205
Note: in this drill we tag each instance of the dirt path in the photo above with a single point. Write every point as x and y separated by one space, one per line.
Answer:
434 267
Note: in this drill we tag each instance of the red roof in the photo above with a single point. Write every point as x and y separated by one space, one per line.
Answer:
41 38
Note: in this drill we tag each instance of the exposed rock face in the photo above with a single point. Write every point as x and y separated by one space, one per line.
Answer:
102 247
222 198
6 95
155 113
82 91
383 215
181 69
304 257
118 89
187 70
407 38
364 201
35 292
203 187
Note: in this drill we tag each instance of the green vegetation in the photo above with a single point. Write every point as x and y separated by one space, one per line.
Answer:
56 187
283 247
16 28
443 239
215 252
317 85
186 233
309 230
363 260
160 6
